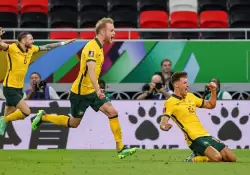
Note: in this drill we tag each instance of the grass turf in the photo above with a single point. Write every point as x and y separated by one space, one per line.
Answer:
105 162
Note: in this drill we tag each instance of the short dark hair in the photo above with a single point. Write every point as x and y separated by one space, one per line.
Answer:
166 60
22 35
36 74
177 76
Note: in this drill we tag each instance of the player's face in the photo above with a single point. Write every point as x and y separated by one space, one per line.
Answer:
109 33
34 78
166 67
28 41
183 86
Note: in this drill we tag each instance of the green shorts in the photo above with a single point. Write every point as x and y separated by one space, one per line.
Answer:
80 103
200 144
13 95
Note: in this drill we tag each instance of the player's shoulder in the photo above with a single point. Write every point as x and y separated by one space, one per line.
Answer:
13 46
170 101
91 44
190 95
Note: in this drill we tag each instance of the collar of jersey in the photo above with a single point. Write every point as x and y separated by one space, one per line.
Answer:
20 48
98 42
176 96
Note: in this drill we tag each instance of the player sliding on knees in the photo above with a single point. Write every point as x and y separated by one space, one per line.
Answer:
181 108
18 57
86 92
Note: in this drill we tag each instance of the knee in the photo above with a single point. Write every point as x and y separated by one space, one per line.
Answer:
112 113
74 123
27 112
217 158
232 158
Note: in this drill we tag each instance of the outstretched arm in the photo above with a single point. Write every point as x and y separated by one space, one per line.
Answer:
3 45
54 45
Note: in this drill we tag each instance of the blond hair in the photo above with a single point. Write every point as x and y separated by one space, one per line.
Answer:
102 23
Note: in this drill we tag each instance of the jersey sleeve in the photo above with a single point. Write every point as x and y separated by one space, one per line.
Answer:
198 101
168 109
35 48
90 52
10 48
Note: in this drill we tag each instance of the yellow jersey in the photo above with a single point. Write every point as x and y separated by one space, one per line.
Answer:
17 62
92 51
183 113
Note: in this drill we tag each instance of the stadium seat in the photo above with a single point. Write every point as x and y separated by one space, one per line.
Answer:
63 35
93 5
209 5
238 5
120 5
183 5
89 18
184 19
151 5
10 6
124 18
34 6
35 20
154 19
8 20
87 35
64 19
63 5
214 19
239 20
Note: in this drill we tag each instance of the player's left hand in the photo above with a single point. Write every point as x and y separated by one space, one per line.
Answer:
69 41
164 125
212 86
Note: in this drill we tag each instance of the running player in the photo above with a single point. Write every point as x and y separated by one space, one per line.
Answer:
18 57
86 92
181 108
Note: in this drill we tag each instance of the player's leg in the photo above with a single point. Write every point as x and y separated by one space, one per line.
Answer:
212 154
203 147
78 107
108 109
14 99
228 155
9 109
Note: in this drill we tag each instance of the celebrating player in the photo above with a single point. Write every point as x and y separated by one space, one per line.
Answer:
18 57
86 92
181 108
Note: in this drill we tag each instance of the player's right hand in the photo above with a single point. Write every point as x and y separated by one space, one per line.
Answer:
100 94
166 127
1 31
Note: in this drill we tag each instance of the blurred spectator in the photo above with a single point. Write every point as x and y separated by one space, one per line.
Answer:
1 95
166 73
221 94
155 90
102 85
39 89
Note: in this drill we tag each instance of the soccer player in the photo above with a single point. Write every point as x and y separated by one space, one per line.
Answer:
18 57
181 108
86 92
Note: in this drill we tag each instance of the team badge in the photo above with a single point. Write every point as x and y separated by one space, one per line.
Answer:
91 53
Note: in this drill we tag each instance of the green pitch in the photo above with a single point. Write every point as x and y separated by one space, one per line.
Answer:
95 162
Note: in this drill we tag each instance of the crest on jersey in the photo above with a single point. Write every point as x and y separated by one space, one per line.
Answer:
91 53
